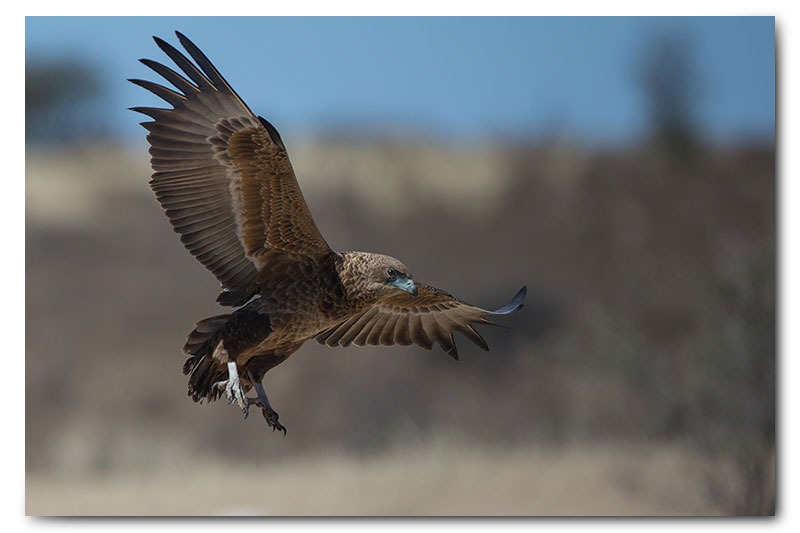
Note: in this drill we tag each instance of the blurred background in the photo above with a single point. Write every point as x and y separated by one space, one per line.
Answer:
622 168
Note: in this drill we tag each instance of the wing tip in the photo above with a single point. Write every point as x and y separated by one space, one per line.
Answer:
167 48
520 294
183 39
515 304
138 82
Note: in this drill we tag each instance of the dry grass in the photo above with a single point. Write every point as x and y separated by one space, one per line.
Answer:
442 478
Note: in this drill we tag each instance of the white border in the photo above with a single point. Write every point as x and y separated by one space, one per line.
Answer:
14 270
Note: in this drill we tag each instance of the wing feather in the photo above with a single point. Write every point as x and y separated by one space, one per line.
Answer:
400 334
387 334
433 316
373 339
165 93
354 330
417 332
171 76
222 174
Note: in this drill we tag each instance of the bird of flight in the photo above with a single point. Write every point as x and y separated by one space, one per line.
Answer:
223 177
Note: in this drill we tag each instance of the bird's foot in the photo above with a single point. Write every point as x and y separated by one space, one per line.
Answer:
269 413
233 389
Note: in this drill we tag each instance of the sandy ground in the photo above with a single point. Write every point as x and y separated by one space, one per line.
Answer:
442 478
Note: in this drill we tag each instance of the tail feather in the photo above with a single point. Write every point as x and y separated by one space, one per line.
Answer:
205 374
202 368
238 331
204 331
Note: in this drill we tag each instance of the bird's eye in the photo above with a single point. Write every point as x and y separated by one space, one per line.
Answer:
391 273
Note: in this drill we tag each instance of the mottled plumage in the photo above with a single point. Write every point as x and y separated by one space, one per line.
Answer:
224 178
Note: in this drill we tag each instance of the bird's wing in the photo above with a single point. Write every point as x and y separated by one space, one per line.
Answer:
433 315
223 176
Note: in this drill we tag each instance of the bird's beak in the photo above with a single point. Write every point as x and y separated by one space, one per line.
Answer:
406 284
412 288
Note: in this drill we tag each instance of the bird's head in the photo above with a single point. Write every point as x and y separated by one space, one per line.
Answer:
384 276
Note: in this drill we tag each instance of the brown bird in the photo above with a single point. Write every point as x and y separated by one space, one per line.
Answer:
224 178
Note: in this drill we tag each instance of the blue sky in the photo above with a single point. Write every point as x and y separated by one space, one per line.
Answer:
454 78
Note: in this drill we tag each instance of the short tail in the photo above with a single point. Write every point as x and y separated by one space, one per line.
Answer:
239 331
202 368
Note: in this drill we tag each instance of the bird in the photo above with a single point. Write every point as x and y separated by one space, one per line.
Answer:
223 177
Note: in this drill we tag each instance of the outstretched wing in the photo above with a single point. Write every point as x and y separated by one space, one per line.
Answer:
224 177
433 315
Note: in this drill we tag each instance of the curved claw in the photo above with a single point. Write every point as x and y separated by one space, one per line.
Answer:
272 420
269 414
266 409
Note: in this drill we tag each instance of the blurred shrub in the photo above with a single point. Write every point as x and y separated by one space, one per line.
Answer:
61 98
670 79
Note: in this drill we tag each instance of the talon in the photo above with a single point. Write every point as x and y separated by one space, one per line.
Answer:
266 409
272 418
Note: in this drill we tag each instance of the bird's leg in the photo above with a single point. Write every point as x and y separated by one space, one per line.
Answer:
233 388
266 409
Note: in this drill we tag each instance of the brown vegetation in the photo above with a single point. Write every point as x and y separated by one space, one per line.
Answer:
639 378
